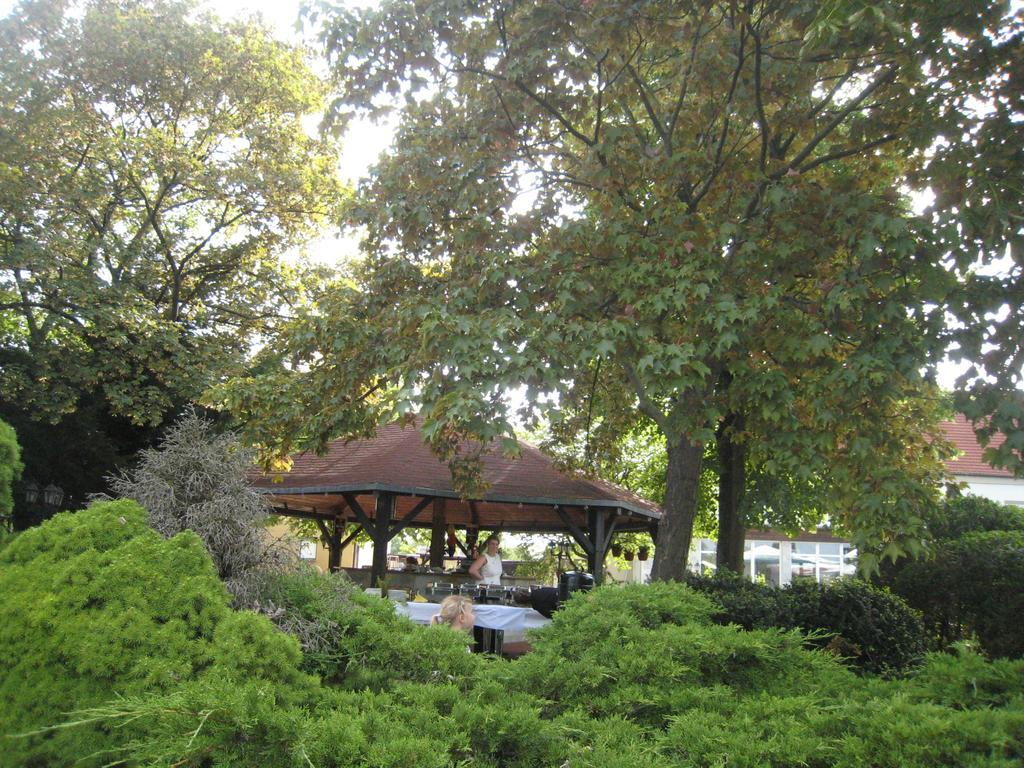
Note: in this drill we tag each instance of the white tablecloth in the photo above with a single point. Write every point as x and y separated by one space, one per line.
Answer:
513 620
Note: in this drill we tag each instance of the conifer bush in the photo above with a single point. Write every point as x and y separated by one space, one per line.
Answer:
647 652
964 679
10 470
95 605
129 645
357 641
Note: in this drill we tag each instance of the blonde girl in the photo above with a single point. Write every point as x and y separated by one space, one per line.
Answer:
457 612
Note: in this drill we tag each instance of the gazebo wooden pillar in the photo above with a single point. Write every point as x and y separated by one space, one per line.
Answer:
438 534
331 532
601 524
381 528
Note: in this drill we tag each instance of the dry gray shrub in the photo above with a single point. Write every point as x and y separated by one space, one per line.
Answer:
315 608
196 480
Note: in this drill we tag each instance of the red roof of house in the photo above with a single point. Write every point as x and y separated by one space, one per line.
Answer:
522 492
969 461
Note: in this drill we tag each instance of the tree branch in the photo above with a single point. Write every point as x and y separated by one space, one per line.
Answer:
652 113
883 77
716 167
646 406
762 118
847 152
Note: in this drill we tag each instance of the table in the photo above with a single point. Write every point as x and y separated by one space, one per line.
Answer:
512 620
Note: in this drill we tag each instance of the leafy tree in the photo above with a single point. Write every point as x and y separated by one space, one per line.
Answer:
154 168
196 480
74 453
975 172
694 201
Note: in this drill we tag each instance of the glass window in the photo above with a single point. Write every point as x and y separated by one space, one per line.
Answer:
708 555
804 560
822 561
827 572
764 561
307 550
849 561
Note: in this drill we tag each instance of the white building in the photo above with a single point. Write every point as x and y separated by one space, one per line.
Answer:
978 477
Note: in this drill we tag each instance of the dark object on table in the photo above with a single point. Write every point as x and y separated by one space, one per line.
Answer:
573 581
518 596
487 640
544 600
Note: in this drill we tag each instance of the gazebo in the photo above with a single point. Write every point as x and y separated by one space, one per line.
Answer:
391 481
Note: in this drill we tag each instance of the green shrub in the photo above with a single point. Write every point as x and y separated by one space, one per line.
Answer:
666 689
214 720
742 602
969 587
979 594
96 606
314 608
762 730
608 742
93 605
960 515
10 471
645 653
966 680
899 733
872 628
128 639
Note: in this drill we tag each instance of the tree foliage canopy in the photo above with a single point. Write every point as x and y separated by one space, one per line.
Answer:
154 167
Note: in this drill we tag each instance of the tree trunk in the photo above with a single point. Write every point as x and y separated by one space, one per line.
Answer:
675 530
335 531
385 510
731 483
438 534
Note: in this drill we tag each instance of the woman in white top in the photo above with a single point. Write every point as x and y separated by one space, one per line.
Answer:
487 568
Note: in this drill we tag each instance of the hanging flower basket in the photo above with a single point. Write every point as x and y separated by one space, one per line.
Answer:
616 550
628 554
642 553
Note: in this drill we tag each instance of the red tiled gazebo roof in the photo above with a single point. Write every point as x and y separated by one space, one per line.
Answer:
970 461
527 493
